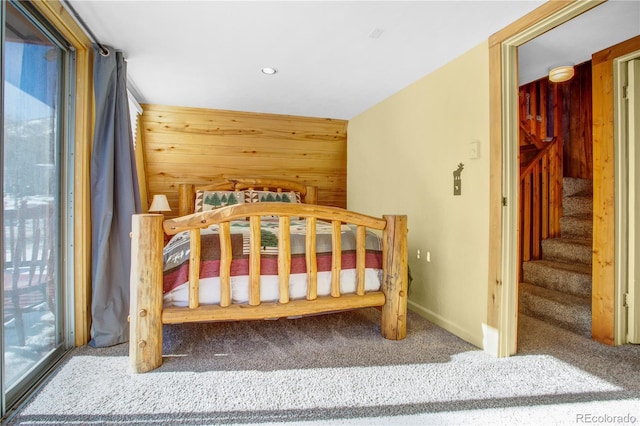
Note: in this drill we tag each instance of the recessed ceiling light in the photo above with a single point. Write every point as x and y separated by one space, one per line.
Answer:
376 33
269 71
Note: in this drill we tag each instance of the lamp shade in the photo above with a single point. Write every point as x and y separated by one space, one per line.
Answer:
560 74
159 204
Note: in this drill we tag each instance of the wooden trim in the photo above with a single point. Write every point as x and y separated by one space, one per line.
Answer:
495 186
58 16
529 20
603 272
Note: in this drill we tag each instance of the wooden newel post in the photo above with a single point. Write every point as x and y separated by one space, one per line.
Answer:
145 308
395 279
186 199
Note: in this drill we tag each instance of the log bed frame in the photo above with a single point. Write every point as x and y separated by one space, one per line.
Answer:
147 314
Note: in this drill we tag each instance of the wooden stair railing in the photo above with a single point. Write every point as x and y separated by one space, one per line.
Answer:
530 138
540 199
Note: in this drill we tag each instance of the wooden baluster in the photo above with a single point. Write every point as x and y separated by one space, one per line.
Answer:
312 261
520 229
537 208
526 218
336 257
225 263
284 257
254 261
554 214
194 268
545 196
559 180
361 254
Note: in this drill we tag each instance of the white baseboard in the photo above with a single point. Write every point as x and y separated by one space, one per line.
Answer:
451 327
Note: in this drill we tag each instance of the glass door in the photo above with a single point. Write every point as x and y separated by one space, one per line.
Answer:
34 96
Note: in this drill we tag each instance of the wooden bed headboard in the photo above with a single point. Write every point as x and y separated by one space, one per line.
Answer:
187 191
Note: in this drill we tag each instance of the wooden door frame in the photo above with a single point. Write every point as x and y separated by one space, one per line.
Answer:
608 270
502 309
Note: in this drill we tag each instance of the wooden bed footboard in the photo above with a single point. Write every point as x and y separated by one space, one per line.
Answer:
146 307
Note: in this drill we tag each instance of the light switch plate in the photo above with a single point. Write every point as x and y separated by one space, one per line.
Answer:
474 150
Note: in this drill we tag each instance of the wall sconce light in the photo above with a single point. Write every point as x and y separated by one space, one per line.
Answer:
562 73
159 204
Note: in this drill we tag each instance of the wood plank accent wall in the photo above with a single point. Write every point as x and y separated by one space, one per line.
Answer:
193 145
577 123
537 103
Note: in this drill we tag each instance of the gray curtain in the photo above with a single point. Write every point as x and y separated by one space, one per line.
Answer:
115 196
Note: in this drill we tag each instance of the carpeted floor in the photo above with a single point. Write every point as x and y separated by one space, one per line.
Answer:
336 369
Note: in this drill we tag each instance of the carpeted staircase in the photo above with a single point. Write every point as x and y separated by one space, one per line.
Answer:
557 288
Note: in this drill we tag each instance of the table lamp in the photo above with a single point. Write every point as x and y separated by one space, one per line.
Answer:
159 204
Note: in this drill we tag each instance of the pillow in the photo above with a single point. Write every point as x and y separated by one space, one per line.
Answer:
211 200
271 196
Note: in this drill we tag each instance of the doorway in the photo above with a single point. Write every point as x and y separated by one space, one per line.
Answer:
503 295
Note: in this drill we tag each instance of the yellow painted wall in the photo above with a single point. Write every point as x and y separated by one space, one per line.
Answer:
401 155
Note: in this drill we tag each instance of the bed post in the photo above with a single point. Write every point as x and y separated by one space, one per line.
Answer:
145 308
395 279
186 199
312 195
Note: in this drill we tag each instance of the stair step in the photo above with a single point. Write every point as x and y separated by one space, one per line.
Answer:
571 278
577 226
564 310
576 186
567 250
577 205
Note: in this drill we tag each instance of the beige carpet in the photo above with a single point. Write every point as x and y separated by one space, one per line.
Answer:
336 369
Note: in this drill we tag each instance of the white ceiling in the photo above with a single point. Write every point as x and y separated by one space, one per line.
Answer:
209 53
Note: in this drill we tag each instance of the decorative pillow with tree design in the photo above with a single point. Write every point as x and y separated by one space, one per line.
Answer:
271 196
211 200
